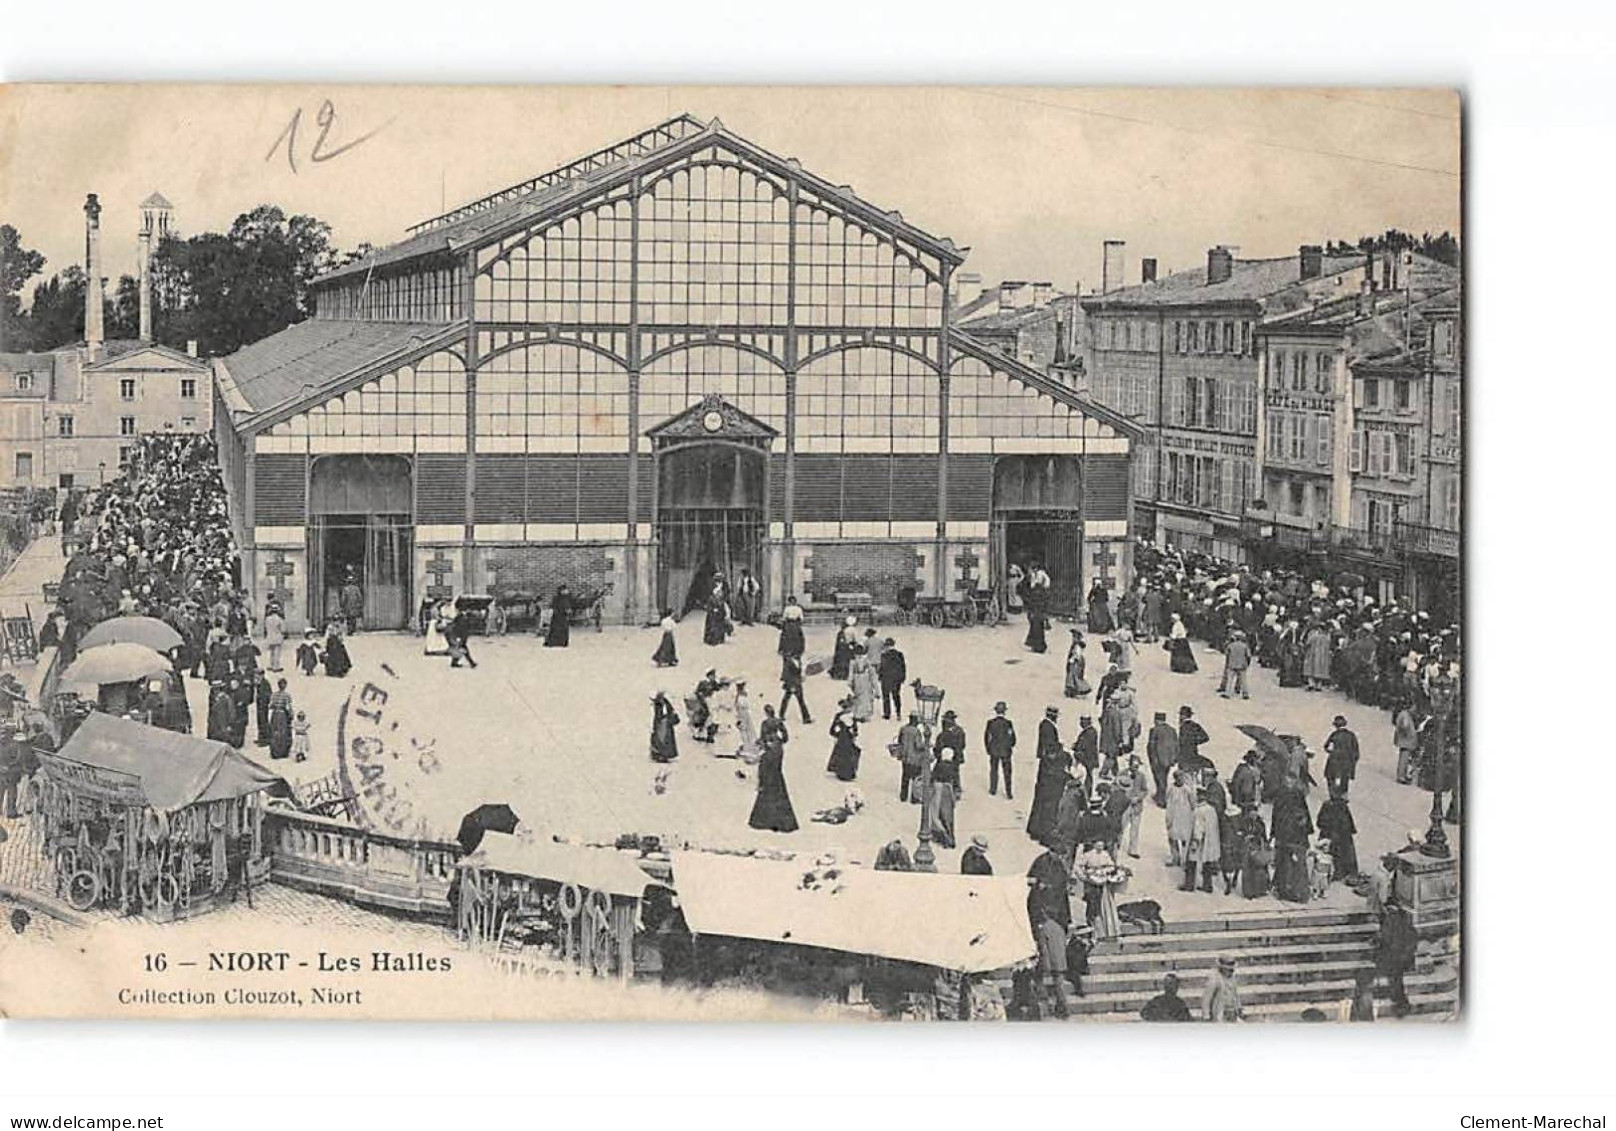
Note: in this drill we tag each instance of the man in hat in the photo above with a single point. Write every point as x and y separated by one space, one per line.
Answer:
912 753
1049 911
999 740
1222 998
1053 763
1236 660
1086 751
1167 1005
1191 736
1245 786
892 670
1341 762
1162 750
974 860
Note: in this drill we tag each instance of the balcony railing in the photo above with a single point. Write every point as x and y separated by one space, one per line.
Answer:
1416 539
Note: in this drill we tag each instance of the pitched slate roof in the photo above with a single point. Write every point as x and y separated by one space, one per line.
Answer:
303 359
156 200
511 208
1249 280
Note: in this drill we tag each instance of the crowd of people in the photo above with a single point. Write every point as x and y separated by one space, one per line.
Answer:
156 541
1280 824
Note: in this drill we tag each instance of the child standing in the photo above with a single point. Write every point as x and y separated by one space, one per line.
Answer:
300 737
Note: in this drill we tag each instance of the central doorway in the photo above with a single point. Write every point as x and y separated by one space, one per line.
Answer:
1038 517
361 530
710 518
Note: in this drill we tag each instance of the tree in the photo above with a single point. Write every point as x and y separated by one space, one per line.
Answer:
56 315
123 311
1443 248
18 264
233 288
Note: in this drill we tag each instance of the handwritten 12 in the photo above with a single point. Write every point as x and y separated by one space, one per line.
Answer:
326 119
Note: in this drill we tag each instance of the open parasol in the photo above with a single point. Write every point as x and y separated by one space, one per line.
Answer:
114 663
1267 741
150 631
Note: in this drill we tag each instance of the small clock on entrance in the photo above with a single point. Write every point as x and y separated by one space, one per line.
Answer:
713 421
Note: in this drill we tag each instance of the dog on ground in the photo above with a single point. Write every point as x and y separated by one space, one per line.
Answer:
1142 913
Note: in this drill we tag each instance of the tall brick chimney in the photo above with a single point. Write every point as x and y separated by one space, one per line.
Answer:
94 287
1311 256
1219 265
1041 294
1147 270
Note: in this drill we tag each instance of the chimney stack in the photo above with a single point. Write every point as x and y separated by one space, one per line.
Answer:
1013 295
1041 294
1111 265
93 284
1312 260
967 288
1219 265
1147 270
190 347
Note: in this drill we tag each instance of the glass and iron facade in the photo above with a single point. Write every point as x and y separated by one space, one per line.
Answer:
698 292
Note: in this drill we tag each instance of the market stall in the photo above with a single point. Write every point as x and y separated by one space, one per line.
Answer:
922 934
146 821
579 904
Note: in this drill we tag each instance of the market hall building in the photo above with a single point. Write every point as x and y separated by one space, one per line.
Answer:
677 350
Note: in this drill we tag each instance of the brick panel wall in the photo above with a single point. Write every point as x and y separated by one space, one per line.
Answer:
877 568
280 490
540 569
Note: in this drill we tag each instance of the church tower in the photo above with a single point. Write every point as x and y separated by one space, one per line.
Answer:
156 222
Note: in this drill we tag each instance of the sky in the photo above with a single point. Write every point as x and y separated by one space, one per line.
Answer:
1031 179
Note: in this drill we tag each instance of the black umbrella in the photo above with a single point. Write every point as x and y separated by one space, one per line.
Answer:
1267 741
1350 581
485 819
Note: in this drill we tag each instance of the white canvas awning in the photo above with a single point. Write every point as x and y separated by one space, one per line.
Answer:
598 869
968 924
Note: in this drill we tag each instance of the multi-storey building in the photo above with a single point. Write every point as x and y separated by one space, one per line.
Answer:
68 417
1361 436
1179 356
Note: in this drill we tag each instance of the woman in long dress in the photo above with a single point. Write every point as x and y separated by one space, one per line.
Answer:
337 663
844 755
1290 656
841 661
1181 659
1100 608
772 811
1337 826
664 735
1252 838
667 653
437 642
1076 667
1292 825
280 723
559 634
744 726
1316 657
861 680
715 628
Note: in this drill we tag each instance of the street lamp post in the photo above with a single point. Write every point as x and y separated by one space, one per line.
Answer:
929 706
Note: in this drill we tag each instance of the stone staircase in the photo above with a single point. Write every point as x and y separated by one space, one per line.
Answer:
1285 962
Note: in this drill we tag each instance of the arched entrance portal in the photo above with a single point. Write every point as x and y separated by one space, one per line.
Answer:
361 526
1038 517
710 517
